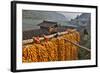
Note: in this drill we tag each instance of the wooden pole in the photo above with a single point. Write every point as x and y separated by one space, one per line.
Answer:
78 45
42 38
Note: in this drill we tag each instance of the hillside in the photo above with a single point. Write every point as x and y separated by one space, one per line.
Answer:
43 15
32 18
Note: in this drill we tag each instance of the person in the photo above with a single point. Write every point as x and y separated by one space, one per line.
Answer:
36 39
85 35
85 32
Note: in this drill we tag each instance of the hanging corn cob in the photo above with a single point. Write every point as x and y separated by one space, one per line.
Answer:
29 53
54 49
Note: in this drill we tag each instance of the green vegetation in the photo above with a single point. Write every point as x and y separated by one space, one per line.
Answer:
83 54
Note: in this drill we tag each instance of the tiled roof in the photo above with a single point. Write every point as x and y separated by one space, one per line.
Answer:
47 24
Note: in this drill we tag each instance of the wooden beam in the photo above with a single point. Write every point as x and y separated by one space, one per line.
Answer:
78 45
42 38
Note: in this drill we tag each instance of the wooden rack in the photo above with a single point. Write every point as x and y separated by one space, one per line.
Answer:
57 34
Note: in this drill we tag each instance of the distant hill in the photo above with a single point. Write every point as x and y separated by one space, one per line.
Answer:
82 20
43 15
31 18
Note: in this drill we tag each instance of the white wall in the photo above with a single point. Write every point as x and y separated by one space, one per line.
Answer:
5 36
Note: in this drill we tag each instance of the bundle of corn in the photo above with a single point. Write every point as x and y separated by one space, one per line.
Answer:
30 53
42 53
35 53
55 49
51 50
71 50
61 48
